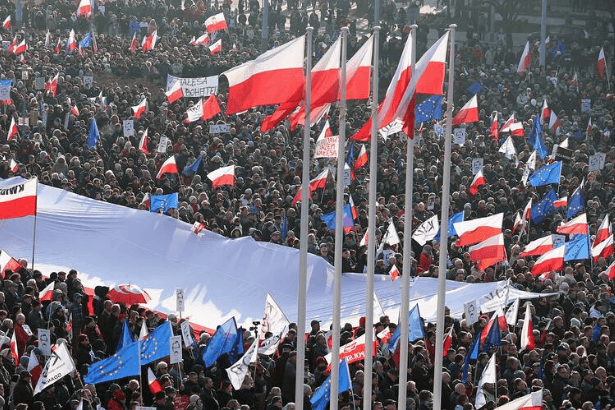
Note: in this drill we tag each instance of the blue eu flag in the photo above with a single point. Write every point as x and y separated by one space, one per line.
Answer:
126 337
458 217
577 248
322 396
194 167
123 363
547 174
164 202
93 135
221 342
543 208
535 139
430 109
576 203
157 344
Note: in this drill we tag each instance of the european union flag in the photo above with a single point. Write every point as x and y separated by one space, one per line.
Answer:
472 355
126 337
458 217
237 349
123 363
493 337
221 342
329 218
577 248
164 202
93 135
157 344
321 397
194 167
416 330
284 226
543 208
476 88
87 41
430 109
547 174
559 49
577 135
535 139
576 203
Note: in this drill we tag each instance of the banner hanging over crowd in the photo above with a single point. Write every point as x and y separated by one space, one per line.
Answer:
195 87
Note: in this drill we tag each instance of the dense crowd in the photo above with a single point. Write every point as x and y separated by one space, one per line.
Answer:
576 368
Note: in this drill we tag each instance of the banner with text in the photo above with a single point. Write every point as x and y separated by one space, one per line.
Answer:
195 87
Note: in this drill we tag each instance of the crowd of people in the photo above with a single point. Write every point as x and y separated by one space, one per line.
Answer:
575 367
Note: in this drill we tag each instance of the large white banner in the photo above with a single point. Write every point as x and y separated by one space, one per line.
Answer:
195 87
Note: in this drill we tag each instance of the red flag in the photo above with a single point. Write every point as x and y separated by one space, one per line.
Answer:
168 167
575 226
138 110
538 246
468 113
175 93
554 122
604 230
133 43
610 271
545 112
84 9
7 23
203 40
552 260
8 262
603 249
216 47
152 382
14 348
394 273
488 252
198 227
222 176
46 293
18 200
13 44
526 59
362 159
319 182
479 180
13 166
561 202
53 85
21 48
601 63
143 143
210 108
216 23
448 341
527 332
477 230
149 41
13 130
495 130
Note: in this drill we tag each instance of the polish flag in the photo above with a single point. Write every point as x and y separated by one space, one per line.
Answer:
74 110
394 273
510 121
203 40
545 113
149 42
365 238
554 122
538 246
477 230
526 59
552 260
610 271
516 130
601 63
13 166
268 79
13 130
216 23
358 71
468 113
362 159
72 43
527 332
138 110
575 226
215 47
561 202
575 81
222 176
14 348
58 46
133 43
46 293
519 223
143 143
8 262
175 93
527 211
21 47
604 231
479 180
603 249
193 41
34 367
152 382
198 227
319 182
589 129
12 46
488 252
84 9
448 341
494 132
211 108
53 85
6 24
168 167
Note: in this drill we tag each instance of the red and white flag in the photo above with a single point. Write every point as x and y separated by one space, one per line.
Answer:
519 225
53 85
133 43
72 43
13 166
216 23
488 252
604 230
18 200
193 41
13 44
538 246
14 348
168 167
198 227
149 41
448 341
353 351
575 226
478 181
527 332
394 273
317 183
13 130
526 59
545 112
589 129
46 293
7 262
222 176
74 110
527 211
175 93
561 202
47 39
601 63
21 47
358 71
554 122
84 9
6 24
211 108
58 46
477 230
494 131
552 260
139 110
257 82
203 40
143 332
362 159
604 249
468 113
510 121
152 382
215 47
610 271
143 143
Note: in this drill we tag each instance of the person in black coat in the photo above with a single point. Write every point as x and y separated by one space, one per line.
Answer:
23 392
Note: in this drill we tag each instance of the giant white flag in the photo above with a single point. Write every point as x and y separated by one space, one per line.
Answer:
237 372
426 231
60 364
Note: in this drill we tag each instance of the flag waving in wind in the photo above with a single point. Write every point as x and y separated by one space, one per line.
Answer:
322 395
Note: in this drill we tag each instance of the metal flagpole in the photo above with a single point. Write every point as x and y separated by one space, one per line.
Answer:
405 277
339 223
446 187
305 204
371 227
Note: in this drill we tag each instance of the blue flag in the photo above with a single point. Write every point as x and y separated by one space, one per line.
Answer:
472 355
547 174
493 337
577 135
475 88
430 109
123 363
350 156
535 139
544 208
596 332
87 41
576 203
416 329
194 167
221 342
157 344
237 350
284 226
458 217
126 337
577 248
164 202
322 395
329 218
93 135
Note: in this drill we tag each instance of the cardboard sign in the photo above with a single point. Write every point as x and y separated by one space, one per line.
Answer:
327 147
586 105
5 91
471 312
596 162
44 341
459 136
176 349
39 83
187 334
88 80
477 165
179 300
162 145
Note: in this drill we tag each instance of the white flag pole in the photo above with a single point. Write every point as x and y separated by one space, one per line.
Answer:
305 205
446 187
339 227
371 227
405 277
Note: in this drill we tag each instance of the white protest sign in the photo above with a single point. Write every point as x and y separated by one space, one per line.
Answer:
596 162
326 147
176 349
477 165
88 80
27 329
438 129
129 128
471 311
5 91
347 175
393 128
558 240
179 300
459 136
219 128
39 83
44 341
162 145
586 105
195 87
187 335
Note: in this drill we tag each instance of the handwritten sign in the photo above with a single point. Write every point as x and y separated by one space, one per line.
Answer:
195 87
327 147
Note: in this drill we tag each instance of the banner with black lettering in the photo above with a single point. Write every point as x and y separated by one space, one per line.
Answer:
195 87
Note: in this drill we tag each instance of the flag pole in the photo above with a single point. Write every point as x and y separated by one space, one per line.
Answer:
371 227
446 186
35 215
339 227
305 204
407 264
